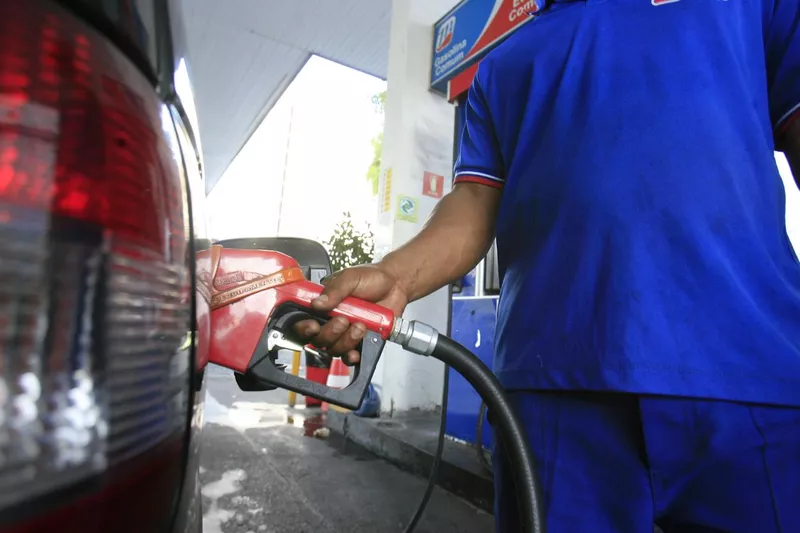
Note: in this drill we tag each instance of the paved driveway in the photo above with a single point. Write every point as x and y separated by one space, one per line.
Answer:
264 471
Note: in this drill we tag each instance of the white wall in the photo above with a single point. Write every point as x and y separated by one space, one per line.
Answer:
418 137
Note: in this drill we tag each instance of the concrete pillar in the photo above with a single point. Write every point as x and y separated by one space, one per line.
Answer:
417 163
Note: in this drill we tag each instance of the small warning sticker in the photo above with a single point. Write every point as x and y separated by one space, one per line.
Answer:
432 185
407 209
387 191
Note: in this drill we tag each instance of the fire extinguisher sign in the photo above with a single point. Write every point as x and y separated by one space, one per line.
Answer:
432 185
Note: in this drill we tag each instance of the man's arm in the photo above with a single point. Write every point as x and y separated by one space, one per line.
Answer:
457 236
461 229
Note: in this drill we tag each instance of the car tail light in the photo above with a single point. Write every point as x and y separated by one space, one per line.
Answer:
94 285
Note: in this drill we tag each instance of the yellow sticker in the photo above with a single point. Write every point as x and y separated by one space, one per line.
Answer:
387 191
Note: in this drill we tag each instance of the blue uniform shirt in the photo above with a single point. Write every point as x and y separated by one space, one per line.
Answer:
641 233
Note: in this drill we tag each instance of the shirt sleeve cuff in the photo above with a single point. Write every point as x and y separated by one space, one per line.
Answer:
466 176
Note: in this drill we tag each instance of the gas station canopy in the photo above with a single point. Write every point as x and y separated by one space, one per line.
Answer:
245 53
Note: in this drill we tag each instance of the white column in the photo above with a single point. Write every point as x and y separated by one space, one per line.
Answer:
418 145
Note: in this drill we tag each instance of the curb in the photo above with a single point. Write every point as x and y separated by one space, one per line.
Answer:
409 443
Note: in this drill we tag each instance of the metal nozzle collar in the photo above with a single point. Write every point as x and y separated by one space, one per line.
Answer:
414 336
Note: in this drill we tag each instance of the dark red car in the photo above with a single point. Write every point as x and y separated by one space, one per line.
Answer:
103 326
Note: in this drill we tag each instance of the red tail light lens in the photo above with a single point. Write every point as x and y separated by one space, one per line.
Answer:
94 285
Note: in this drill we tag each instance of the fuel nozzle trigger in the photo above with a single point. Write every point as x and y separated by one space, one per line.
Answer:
278 335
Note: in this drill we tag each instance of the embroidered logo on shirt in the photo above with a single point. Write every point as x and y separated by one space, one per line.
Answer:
662 2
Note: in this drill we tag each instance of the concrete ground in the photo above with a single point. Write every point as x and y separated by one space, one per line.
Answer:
268 469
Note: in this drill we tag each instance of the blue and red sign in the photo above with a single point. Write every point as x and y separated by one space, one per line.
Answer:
472 28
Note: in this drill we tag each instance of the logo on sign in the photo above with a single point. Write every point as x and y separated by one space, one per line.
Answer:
444 37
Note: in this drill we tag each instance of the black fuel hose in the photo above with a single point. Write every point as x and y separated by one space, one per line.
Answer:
512 432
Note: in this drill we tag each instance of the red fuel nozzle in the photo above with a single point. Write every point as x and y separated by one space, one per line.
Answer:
257 296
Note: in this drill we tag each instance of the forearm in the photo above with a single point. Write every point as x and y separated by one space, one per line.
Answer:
790 146
455 238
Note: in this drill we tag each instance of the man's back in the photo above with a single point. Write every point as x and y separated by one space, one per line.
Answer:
641 232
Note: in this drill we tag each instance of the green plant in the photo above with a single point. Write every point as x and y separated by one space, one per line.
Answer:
348 246
374 170
379 101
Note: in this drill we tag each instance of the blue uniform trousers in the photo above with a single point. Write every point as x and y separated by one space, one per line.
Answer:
617 463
